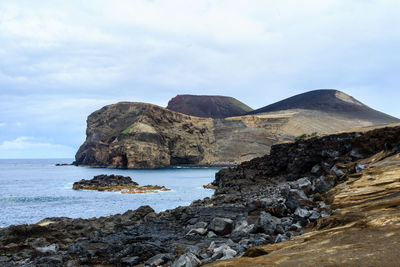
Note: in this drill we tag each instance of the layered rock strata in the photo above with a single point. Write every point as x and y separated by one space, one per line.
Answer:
113 183
265 201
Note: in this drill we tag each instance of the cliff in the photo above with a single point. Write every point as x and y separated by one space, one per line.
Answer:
140 135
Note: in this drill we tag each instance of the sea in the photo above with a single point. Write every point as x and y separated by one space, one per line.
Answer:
34 189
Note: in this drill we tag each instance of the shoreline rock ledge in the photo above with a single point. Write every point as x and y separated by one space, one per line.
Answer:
113 183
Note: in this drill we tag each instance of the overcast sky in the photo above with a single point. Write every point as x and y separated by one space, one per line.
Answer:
61 60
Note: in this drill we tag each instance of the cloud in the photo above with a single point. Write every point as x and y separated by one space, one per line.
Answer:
61 60
2 124
24 145
208 45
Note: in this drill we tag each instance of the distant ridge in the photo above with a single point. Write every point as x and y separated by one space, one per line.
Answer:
329 101
208 106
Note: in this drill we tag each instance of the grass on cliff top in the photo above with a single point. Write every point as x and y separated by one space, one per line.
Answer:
241 105
304 136
126 131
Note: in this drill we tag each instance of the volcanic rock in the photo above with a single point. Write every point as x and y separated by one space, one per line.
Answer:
115 183
208 106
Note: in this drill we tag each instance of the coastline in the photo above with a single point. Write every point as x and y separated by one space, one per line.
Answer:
263 201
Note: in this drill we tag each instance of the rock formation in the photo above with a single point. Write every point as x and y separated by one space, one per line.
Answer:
113 183
208 106
345 186
139 135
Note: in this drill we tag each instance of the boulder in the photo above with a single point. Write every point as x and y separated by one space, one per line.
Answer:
51 249
314 215
130 261
195 250
338 172
266 223
303 184
187 260
316 169
221 226
302 213
359 167
321 185
159 260
280 238
223 252
242 229
198 231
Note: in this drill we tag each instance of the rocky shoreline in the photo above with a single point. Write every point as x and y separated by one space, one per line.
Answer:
263 201
114 183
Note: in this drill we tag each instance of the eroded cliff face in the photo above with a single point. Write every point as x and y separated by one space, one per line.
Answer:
140 135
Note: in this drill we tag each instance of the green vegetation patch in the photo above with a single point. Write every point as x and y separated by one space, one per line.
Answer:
239 104
127 130
304 136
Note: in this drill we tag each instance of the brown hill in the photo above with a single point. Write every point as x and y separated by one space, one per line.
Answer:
208 106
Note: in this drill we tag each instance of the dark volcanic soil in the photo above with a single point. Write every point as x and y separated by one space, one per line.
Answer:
330 101
208 106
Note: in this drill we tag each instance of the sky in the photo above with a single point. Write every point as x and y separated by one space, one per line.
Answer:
62 60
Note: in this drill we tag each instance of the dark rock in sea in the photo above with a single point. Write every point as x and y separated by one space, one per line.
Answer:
116 183
104 181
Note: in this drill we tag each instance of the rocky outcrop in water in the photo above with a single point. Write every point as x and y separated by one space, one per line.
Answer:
269 200
139 135
114 183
